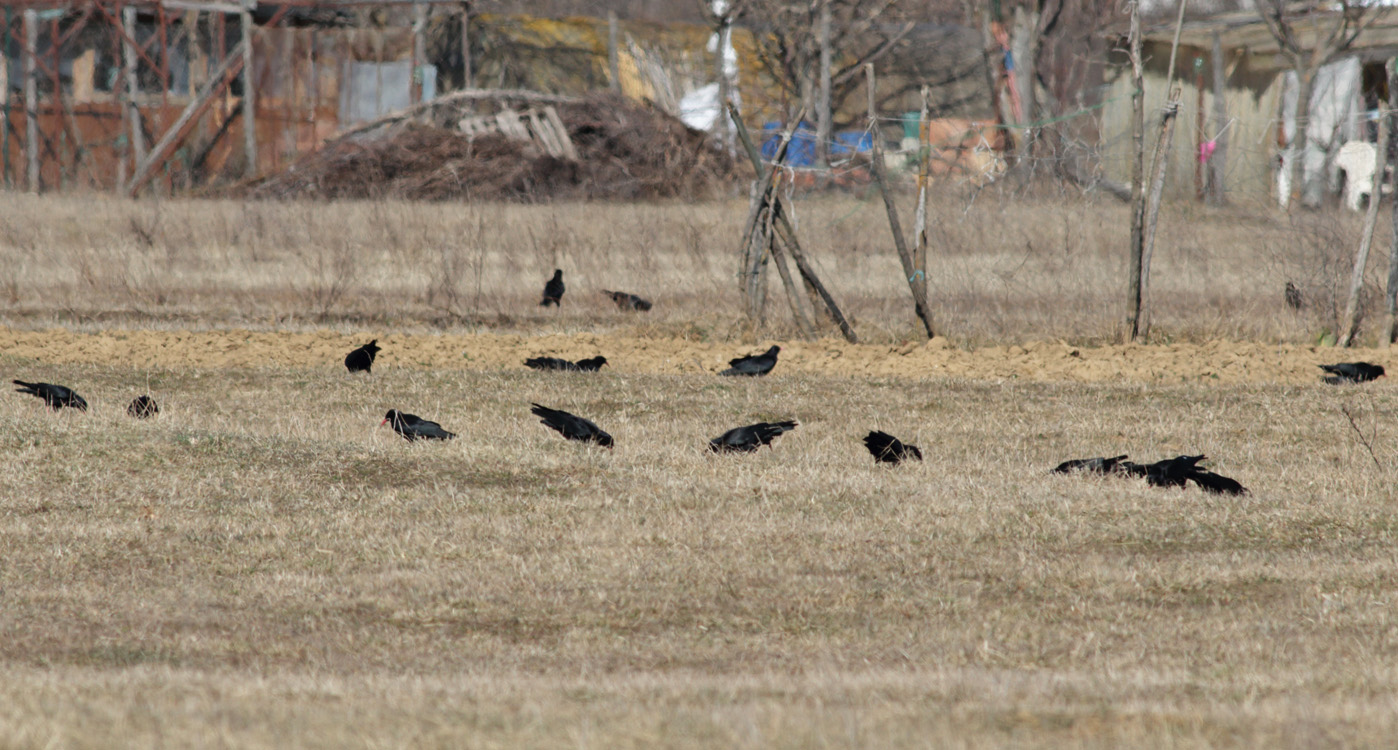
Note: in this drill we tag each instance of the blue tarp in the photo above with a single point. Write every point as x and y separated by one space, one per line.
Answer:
801 152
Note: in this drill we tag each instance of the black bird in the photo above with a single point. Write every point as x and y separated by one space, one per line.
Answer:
143 407
1217 483
1352 372
627 301
56 396
572 426
750 438
553 290
413 427
890 450
1111 465
753 364
1294 300
1174 472
592 364
361 359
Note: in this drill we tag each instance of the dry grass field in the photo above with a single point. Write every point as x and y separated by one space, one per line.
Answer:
263 566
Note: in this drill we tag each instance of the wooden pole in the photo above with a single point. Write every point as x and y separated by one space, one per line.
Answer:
419 50
249 97
1366 238
226 70
1219 160
1159 163
910 269
1200 180
135 134
466 82
723 128
613 54
823 113
1138 193
788 233
1391 293
924 181
31 99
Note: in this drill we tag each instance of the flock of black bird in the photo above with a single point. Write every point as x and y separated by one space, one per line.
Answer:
885 448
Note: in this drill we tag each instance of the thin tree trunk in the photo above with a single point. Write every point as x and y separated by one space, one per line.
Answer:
1157 189
1024 48
1366 239
1138 193
1295 148
1219 160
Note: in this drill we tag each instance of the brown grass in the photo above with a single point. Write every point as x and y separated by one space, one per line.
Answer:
262 566
1002 270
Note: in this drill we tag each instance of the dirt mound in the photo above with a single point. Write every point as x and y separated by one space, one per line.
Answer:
626 151
1217 362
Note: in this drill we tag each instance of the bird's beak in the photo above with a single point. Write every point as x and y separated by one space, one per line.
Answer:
381 424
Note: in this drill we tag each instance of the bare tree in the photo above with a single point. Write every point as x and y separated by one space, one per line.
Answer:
799 42
1310 35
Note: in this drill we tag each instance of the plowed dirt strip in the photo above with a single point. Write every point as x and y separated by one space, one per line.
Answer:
1224 362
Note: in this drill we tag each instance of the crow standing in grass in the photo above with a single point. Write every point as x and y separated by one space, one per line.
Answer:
1352 372
890 450
553 290
143 407
592 364
361 359
627 301
413 427
750 438
571 426
753 365
55 396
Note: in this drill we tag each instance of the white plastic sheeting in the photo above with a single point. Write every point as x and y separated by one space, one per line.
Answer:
1334 120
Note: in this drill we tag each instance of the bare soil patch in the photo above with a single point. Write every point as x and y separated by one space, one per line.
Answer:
1219 361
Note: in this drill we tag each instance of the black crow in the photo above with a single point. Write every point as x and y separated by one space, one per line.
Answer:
753 364
572 426
1093 465
890 450
1172 472
750 438
143 407
56 396
1352 372
412 427
553 290
1217 483
628 301
361 359
592 364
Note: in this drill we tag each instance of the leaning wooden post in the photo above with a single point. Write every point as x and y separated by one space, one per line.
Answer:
753 284
1392 291
249 95
31 99
788 233
899 242
1366 238
1159 163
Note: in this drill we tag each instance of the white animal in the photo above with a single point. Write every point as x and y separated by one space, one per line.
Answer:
1358 160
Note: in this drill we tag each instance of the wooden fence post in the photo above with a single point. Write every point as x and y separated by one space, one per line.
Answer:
900 243
31 99
1366 238
249 96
